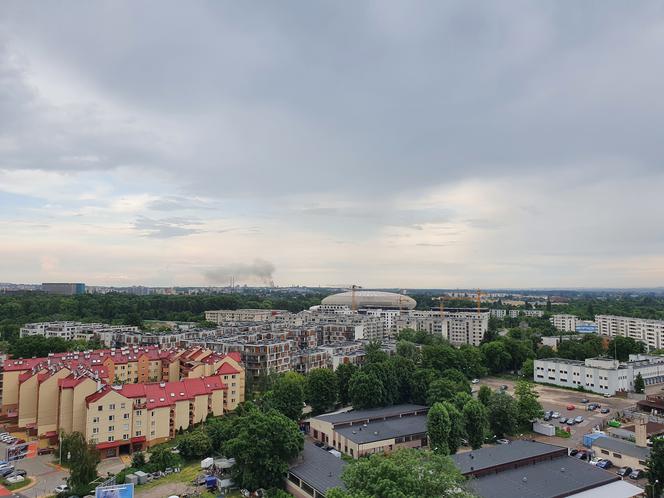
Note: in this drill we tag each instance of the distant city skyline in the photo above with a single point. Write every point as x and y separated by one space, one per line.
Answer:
393 144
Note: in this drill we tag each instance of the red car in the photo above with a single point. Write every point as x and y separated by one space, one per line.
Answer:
571 407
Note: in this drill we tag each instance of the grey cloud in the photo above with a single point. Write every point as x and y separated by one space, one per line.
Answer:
166 228
258 270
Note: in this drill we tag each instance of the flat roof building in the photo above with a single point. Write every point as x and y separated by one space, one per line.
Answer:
314 473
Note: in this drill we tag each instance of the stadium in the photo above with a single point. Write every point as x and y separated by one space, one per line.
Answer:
371 299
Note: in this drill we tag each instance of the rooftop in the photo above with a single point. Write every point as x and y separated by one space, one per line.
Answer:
319 468
494 456
374 413
563 476
385 429
622 447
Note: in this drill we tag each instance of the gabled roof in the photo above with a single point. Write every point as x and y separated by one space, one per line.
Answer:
227 369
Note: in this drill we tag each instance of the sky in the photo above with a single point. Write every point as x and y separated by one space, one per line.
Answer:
437 144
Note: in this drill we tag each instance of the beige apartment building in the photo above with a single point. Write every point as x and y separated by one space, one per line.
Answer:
651 332
121 400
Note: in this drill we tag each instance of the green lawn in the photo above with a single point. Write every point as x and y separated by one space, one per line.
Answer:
187 474
18 485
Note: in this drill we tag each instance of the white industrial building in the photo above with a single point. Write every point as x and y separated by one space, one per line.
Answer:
651 332
600 375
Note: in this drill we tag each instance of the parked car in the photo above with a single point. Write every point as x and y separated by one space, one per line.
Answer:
476 381
637 474
504 387
562 420
584 400
62 488
605 464
555 415
571 406
594 461
578 419
573 452
604 410
4 472
45 451
20 472
547 416
502 441
570 421
624 471
607 395
582 455
14 479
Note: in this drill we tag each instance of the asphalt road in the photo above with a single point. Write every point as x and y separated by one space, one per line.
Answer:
46 476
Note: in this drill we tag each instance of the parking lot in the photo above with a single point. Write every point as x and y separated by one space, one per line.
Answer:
557 400
46 476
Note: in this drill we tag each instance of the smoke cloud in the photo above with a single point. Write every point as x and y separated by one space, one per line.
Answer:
260 270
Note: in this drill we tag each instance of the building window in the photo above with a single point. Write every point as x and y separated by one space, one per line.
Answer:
111 406
95 420
125 416
125 436
100 408
138 433
111 428
111 438
95 430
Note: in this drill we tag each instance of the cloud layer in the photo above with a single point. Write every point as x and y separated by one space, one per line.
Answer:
432 144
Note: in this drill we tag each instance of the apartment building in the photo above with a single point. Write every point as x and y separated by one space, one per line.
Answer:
564 323
306 360
650 332
75 330
459 327
63 392
63 288
498 313
242 315
600 375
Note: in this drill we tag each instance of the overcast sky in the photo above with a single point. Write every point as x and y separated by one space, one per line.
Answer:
402 144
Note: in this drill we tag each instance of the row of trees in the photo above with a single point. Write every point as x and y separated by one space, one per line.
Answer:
491 414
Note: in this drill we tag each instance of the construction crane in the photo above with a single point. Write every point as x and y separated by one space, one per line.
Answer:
442 304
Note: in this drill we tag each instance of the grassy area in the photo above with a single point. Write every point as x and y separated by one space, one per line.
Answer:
563 434
17 485
187 474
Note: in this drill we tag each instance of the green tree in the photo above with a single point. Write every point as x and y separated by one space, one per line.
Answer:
403 473
374 353
639 384
344 372
503 415
408 350
621 347
322 390
496 357
457 427
528 368
546 352
138 460
37 345
460 400
262 444
477 423
438 428
655 469
366 390
473 361
528 407
195 445
161 457
288 395
420 382
82 459
484 395
441 390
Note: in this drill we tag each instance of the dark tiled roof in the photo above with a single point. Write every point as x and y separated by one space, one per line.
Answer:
622 447
358 415
385 429
493 456
562 476
320 469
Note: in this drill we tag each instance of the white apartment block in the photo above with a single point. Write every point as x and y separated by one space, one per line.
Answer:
242 315
564 323
457 327
498 313
75 330
533 313
650 332
600 375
